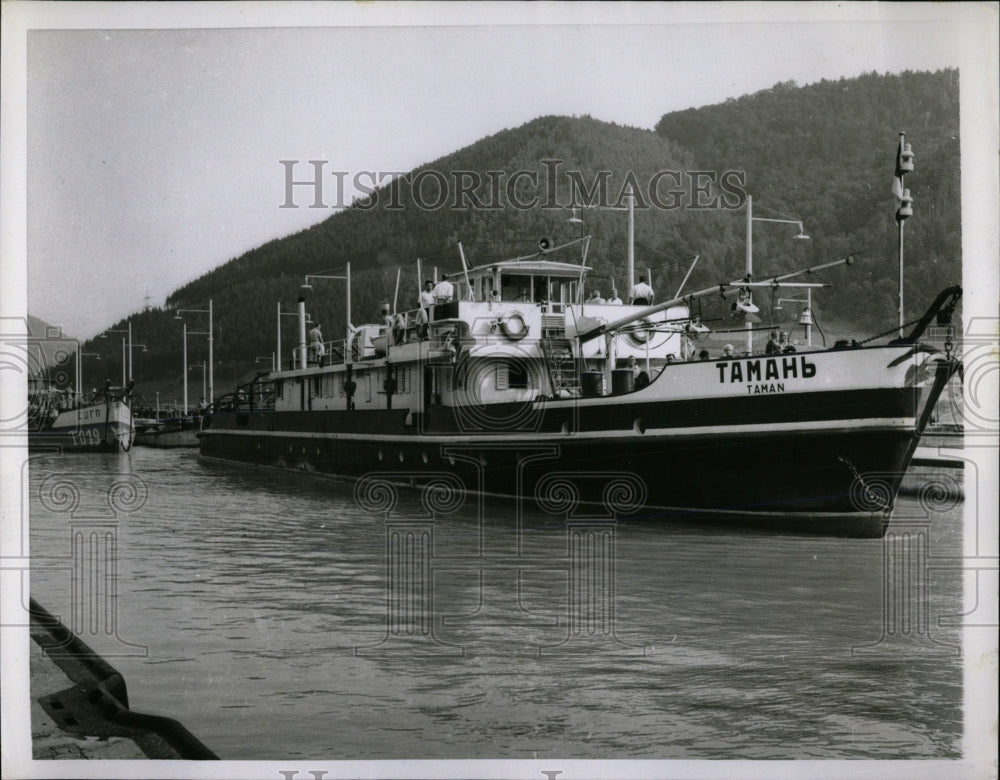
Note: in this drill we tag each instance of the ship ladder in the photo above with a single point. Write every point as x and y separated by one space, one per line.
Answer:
560 365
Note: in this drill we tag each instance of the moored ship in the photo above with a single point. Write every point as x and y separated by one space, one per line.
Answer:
519 387
172 432
102 423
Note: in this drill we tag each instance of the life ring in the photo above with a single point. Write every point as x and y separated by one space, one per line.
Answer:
513 326
641 336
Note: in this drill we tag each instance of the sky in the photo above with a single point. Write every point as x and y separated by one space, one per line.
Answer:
152 155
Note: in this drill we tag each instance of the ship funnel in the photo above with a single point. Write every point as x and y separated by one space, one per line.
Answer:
302 332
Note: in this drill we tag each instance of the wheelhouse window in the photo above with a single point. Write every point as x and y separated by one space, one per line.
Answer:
541 289
516 287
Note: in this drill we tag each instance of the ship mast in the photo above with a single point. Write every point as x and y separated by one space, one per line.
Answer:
747 324
904 165
631 239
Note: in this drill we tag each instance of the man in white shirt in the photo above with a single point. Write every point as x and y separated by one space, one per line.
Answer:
614 300
444 291
642 293
427 295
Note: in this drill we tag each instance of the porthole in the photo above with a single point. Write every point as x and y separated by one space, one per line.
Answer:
381 457
565 429
639 426
424 458
401 458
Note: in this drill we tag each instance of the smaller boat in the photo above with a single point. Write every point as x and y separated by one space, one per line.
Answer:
169 432
102 423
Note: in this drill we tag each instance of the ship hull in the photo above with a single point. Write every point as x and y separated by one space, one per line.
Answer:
806 484
102 427
705 442
173 434
775 465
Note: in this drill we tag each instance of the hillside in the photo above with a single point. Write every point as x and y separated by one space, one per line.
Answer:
822 153
825 154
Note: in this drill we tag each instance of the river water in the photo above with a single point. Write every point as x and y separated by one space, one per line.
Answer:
280 616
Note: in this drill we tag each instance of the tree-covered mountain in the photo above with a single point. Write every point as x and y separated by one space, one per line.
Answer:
823 154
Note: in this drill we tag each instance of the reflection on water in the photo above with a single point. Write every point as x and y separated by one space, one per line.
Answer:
277 615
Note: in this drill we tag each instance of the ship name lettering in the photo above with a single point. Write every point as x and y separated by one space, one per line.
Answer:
773 387
773 368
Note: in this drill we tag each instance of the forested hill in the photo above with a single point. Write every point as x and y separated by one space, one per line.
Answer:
825 154
822 153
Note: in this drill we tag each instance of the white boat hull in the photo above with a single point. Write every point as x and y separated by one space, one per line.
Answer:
99 427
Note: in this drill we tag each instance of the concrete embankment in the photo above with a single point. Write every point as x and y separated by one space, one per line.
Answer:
79 705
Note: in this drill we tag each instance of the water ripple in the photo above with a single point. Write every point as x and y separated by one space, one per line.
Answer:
261 597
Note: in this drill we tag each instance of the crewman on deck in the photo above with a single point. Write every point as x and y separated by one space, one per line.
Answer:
727 351
614 300
423 314
642 293
316 348
422 318
427 295
773 347
444 290
595 297
385 314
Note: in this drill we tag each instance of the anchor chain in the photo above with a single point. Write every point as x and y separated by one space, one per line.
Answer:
871 494
894 329
949 343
